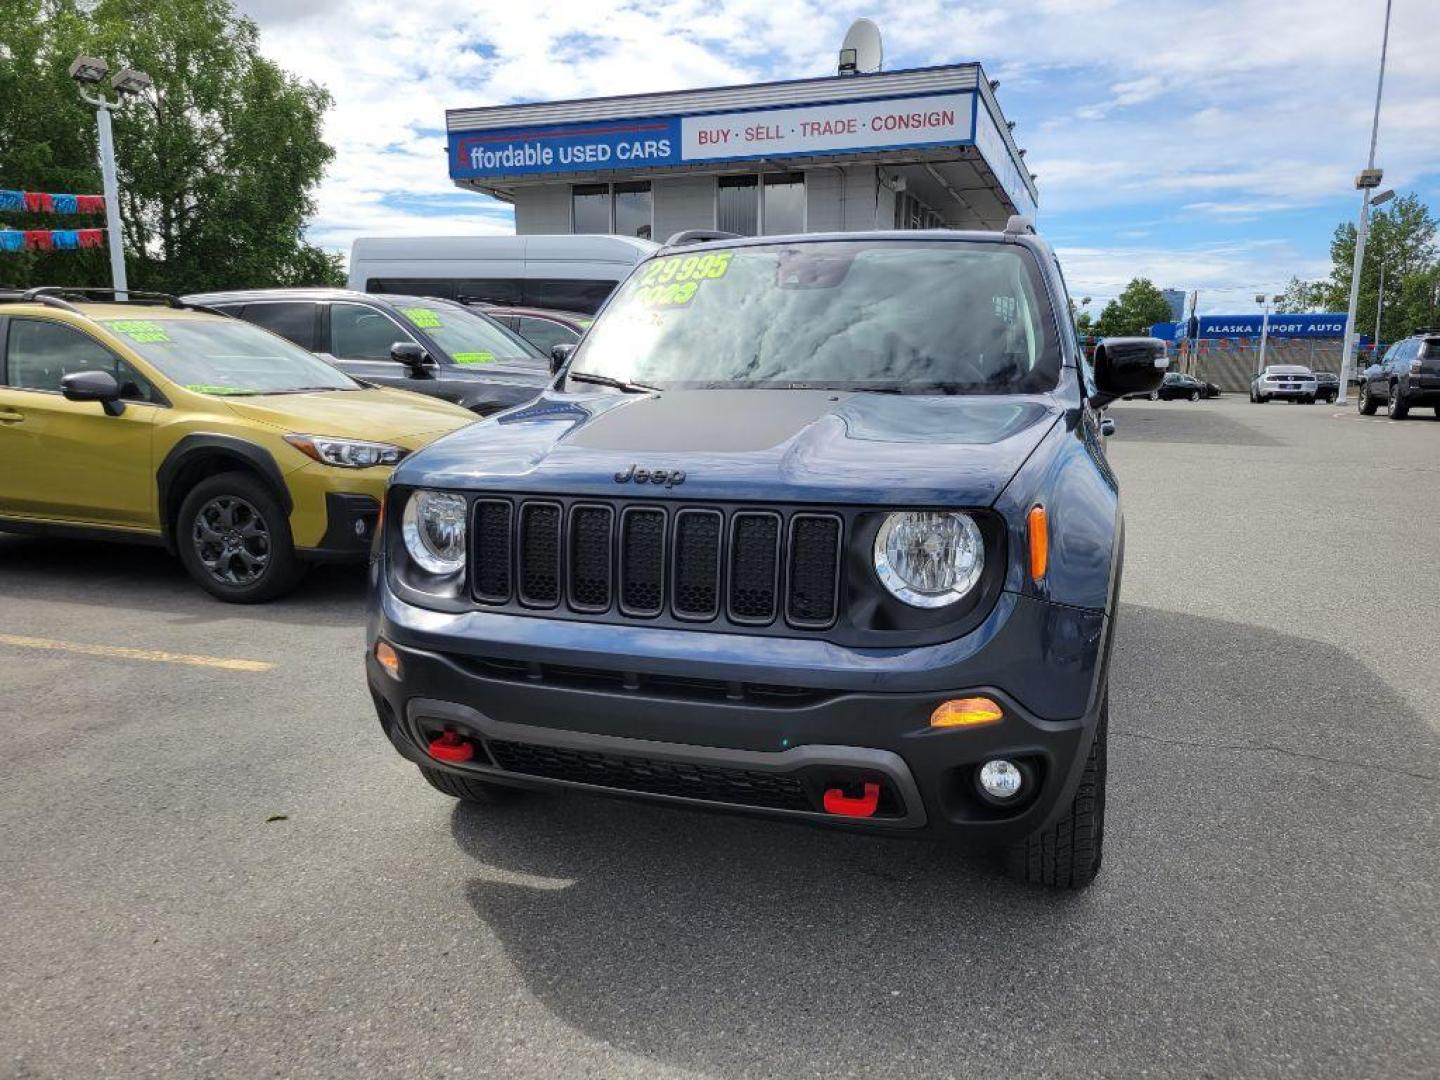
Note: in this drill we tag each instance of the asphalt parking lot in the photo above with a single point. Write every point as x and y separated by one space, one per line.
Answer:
213 864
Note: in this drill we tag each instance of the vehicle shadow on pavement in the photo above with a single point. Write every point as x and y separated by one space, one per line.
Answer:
150 579
1266 901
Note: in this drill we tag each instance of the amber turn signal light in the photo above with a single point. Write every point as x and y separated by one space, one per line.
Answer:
1039 542
966 712
388 658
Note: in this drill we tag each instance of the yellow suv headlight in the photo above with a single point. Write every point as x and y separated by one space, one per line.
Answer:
346 453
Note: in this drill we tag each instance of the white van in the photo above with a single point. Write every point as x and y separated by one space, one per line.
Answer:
569 272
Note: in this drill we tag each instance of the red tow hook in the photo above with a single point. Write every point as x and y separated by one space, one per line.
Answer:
837 802
451 747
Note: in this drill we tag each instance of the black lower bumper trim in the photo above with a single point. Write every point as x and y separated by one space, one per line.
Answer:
789 782
349 528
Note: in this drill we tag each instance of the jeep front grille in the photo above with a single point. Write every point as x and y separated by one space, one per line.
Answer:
686 564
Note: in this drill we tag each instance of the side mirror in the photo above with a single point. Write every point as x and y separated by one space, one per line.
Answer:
93 386
411 355
560 355
1107 426
1128 365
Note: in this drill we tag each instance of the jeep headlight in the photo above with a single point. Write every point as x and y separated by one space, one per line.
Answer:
927 558
433 525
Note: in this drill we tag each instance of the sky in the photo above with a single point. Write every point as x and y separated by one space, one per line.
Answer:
1204 146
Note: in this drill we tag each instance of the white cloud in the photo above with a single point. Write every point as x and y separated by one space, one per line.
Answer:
1226 113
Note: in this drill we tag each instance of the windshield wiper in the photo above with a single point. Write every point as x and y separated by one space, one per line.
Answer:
606 380
308 389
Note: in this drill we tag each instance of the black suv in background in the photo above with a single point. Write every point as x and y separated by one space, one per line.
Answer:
1407 375
435 347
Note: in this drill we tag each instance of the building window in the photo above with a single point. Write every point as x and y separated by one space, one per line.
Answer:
737 205
784 209
591 203
632 209
911 213
612 208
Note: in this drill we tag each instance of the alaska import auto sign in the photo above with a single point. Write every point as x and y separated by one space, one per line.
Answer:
648 142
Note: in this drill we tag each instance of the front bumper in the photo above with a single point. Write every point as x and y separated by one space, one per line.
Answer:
738 723
1305 390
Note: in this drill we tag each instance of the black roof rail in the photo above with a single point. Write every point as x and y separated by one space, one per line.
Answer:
55 296
85 292
27 297
697 236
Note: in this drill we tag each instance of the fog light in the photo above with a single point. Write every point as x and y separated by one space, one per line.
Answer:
1000 779
387 658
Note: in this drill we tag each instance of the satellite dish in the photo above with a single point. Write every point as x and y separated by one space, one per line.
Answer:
860 52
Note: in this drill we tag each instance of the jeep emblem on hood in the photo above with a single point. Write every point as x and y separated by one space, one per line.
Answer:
668 477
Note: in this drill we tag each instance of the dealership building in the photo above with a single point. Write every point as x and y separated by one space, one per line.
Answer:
916 149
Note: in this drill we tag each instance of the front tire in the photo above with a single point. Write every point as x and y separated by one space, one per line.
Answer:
466 789
1364 402
1398 409
1194 395
234 540
1067 855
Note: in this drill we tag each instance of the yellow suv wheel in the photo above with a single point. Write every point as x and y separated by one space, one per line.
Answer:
234 540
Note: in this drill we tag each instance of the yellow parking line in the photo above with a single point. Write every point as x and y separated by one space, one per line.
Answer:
119 652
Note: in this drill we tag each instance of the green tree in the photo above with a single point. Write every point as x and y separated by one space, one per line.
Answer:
1300 297
216 166
1139 306
1402 240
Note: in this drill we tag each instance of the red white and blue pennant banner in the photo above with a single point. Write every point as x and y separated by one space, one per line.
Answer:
38 202
50 239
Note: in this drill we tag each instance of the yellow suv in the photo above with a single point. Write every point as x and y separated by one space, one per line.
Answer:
156 421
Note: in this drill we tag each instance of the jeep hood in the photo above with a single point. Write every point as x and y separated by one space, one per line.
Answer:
381 415
748 445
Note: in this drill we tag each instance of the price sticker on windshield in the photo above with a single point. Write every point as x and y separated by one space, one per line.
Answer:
422 317
141 331
473 357
219 391
676 269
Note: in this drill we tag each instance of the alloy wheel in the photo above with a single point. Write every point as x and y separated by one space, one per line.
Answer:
232 540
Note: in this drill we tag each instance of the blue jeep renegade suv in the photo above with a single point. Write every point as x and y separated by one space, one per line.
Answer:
819 527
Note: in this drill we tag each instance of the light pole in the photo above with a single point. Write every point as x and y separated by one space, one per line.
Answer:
1264 302
1378 200
90 72
1367 181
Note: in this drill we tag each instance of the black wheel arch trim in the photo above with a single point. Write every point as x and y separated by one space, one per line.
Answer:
246 454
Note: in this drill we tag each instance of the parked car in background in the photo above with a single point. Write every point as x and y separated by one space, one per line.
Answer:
542 327
1407 376
1208 389
1176 385
1327 386
152 421
569 271
445 349
1287 382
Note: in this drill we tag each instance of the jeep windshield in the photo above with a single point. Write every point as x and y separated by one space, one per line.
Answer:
227 357
896 316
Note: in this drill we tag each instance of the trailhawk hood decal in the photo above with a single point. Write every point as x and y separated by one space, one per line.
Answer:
751 445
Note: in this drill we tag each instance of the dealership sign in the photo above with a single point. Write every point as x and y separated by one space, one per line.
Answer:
1327 325
641 143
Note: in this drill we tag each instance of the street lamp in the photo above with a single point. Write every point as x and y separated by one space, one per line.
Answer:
87 71
1380 200
1367 182
1264 302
